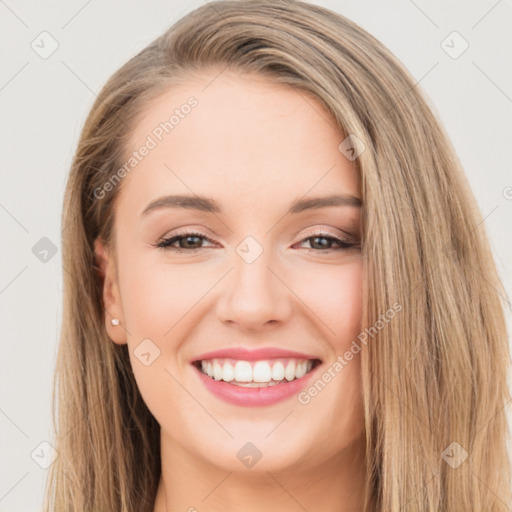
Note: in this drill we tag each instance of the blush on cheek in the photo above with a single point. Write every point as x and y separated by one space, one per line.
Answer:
159 298
335 297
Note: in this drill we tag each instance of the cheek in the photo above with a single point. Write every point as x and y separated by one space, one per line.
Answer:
157 296
334 294
158 303
347 307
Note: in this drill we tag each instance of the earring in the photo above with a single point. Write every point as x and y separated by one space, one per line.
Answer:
114 321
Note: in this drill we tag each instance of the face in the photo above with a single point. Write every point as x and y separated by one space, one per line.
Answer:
248 265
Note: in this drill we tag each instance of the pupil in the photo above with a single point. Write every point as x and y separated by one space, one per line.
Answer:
188 238
322 244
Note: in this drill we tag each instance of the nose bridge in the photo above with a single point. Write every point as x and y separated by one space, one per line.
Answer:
253 295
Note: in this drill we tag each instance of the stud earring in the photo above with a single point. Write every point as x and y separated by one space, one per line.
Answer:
114 321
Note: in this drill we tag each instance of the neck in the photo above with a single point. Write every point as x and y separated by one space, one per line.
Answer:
191 484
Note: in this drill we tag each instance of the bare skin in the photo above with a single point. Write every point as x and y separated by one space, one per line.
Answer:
254 147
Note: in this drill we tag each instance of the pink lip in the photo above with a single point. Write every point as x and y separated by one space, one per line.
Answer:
242 396
252 355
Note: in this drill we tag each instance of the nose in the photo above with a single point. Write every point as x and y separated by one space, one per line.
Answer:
254 297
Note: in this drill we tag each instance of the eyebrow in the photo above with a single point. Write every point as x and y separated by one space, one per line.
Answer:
206 204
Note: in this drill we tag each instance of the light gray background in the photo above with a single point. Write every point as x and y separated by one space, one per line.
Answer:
43 106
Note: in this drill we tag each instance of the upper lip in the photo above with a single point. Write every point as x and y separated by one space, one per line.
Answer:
244 354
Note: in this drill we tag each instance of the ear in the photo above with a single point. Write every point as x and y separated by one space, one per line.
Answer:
111 296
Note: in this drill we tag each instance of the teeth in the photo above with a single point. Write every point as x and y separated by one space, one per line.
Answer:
262 372
228 372
300 371
243 371
289 373
217 371
278 371
257 373
255 384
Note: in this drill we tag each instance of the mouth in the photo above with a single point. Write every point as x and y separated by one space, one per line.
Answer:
258 373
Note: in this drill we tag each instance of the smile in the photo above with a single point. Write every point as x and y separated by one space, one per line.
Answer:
259 377
260 373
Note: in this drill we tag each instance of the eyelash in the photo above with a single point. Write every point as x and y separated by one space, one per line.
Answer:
165 243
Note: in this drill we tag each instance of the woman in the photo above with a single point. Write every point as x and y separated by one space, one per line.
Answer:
278 292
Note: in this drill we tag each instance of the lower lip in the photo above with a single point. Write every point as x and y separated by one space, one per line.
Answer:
251 397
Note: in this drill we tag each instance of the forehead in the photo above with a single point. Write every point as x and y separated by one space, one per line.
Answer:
240 138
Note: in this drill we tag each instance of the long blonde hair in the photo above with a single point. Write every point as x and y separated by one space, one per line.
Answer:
433 377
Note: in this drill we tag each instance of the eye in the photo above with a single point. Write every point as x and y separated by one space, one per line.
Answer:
325 241
187 242
191 242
